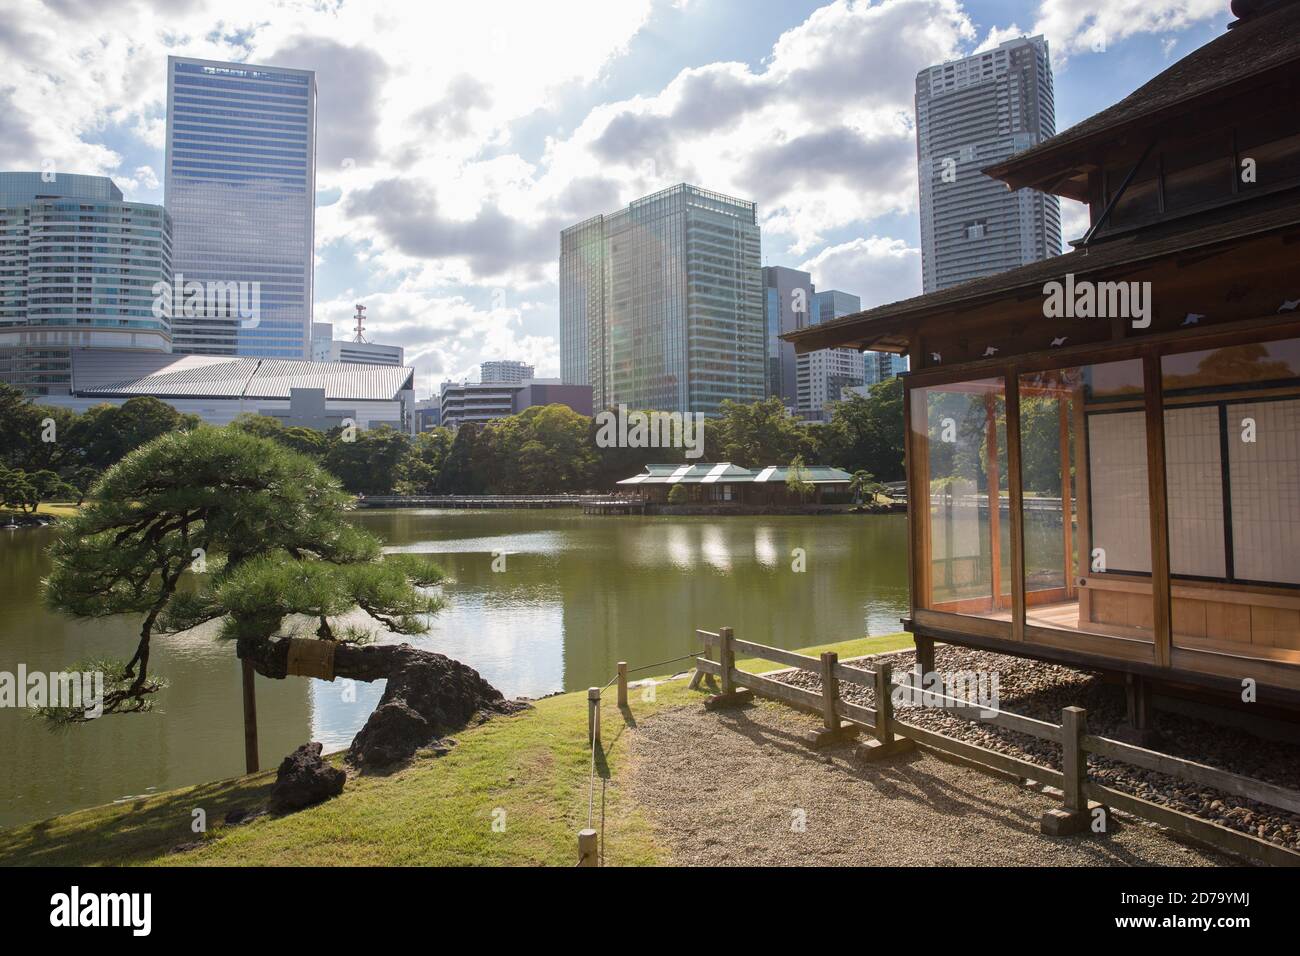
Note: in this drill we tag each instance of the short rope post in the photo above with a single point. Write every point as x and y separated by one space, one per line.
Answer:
622 683
884 703
587 848
593 716
830 691
726 658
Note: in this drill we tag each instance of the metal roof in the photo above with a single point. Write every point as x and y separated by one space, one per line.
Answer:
123 373
706 473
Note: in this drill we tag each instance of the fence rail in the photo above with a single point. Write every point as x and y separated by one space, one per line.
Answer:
1083 799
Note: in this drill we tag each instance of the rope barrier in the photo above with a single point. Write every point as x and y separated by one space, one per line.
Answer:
591 779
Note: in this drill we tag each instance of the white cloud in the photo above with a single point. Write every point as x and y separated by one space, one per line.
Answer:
878 269
1073 27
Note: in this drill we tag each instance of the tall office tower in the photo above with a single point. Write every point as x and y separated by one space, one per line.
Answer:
787 305
661 305
505 372
822 375
78 268
971 113
240 187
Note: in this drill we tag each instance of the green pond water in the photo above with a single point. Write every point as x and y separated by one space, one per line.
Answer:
577 594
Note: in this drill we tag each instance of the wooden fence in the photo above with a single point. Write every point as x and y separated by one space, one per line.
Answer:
1084 801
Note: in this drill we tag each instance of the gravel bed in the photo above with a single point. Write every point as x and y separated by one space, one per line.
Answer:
1040 690
739 787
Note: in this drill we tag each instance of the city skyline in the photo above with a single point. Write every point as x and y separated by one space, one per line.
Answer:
464 270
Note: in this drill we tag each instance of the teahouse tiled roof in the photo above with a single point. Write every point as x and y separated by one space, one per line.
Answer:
707 473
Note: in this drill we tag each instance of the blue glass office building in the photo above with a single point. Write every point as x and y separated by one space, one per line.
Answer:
240 188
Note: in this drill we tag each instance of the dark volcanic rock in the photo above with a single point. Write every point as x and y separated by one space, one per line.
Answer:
305 779
428 697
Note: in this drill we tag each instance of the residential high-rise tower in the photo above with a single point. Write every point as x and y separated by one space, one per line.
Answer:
969 114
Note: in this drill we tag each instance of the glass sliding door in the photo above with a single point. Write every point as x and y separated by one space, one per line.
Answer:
1085 508
959 446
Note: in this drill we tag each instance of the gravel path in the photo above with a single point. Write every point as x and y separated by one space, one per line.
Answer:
728 787
1040 690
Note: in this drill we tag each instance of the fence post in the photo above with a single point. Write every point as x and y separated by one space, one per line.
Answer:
726 658
587 848
593 715
622 683
884 703
1073 815
885 743
830 691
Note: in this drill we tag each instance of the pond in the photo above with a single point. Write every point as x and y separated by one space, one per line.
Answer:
538 602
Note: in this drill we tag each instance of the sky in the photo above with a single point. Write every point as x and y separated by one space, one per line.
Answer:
456 139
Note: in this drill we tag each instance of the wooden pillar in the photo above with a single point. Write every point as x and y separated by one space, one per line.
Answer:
622 683
1155 421
924 657
250 718
992 481
1075 813
1016 509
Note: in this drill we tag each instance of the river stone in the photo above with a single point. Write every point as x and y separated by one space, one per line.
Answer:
305 779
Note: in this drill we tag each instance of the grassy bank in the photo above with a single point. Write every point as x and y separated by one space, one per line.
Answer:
52 508
437 811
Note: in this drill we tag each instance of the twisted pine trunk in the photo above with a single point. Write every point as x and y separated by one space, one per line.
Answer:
428 695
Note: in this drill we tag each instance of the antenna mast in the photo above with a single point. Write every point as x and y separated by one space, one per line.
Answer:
361 323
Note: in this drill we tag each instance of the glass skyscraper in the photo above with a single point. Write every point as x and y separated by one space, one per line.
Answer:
241 184
661 303
78 267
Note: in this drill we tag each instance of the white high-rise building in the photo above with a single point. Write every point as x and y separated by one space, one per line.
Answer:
241 191
505 372
970 114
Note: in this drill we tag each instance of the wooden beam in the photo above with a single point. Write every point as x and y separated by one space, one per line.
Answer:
1017 496
1067 510
992 480
1159 508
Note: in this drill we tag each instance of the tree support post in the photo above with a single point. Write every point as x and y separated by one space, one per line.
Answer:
250 718
622 684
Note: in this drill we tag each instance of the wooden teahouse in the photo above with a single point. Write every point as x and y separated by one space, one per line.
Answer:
1103 448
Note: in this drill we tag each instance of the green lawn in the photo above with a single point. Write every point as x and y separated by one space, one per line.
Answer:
58 509
437 811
